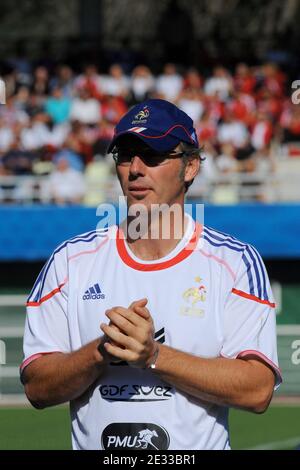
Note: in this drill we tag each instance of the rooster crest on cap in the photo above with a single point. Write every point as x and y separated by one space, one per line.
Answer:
143 114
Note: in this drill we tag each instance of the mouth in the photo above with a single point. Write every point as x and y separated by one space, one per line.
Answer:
138 190
139 194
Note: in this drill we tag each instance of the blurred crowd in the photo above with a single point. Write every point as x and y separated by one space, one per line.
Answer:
60 123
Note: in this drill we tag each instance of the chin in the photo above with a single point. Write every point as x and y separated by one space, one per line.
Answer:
145 202
136 198
131 201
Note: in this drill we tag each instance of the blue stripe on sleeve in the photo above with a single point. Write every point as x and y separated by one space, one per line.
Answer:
250 260
263 270
83 239
254 264
249 274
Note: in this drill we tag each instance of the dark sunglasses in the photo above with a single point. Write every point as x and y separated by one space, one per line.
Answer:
123 157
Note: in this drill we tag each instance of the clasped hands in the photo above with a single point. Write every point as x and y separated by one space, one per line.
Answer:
129 336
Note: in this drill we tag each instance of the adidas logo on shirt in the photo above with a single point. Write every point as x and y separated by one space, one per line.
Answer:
93 293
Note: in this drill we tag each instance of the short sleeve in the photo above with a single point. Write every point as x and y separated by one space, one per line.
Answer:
249 316
46 325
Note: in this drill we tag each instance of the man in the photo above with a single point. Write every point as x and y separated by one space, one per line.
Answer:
189 324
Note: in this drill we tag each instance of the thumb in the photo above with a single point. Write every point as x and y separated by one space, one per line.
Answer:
138 303
143 312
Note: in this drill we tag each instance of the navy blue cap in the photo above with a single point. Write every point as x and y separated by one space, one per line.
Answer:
159 123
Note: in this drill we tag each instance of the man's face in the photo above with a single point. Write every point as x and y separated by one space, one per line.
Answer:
148 178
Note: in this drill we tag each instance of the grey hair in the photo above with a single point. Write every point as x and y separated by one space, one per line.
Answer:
189 152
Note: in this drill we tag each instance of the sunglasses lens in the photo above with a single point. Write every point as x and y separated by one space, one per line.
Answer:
124 156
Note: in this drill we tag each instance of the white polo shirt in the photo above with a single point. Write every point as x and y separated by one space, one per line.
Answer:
210 297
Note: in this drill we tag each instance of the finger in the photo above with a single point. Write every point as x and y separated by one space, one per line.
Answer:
139 306
143 312
121 323
119 338
119 353
139 333
129 314
138 303
117 329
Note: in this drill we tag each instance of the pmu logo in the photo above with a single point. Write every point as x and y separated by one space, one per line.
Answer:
139 436
93 293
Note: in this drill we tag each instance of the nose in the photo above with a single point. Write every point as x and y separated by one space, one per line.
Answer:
137 166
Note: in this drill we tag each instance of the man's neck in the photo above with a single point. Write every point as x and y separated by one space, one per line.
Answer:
159 239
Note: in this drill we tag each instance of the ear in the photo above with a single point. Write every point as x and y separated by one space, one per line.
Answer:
192 169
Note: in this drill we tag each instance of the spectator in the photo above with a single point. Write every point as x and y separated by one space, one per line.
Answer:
16 160
85 108
22 98
274 79
170 83
40 133
220 83
262 132
191 102
6 136
116 83
33 106
11 114
34 135
66 185
105 135
206 129
226 161
7 187
193 80
235 116
142 84
64 80
80 142
90 81
244 80
232 131
215 108
70 151
22 67
269 103
290 122
11 81
242 107
113 108
40 85
58 106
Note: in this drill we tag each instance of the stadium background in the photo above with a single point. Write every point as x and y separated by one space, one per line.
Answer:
261 207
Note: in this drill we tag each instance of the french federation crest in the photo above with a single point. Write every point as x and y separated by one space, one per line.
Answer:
141 116
193 297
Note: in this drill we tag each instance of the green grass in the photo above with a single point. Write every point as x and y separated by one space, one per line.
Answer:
280 425
26 428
